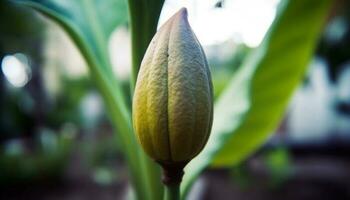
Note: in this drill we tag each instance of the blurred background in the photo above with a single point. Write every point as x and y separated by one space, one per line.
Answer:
55 137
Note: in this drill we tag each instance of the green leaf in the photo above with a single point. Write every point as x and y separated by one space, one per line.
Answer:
251 107
89 23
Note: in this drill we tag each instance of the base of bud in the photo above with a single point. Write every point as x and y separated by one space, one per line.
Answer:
172 172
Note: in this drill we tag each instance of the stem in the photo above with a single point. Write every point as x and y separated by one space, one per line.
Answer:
172 192
172 176
143 16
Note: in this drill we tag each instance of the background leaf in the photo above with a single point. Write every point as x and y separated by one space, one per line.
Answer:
89 23
251 107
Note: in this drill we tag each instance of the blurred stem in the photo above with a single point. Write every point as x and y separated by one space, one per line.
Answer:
172 192
143 17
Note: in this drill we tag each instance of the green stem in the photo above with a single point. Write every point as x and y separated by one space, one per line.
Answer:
143 16
172 192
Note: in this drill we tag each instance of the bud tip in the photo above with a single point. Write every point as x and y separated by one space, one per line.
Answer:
183 12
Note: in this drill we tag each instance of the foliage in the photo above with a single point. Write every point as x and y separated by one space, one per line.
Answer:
26 32
279 164
253 103
89 23
19 163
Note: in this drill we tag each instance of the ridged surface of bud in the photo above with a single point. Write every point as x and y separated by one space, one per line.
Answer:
173 99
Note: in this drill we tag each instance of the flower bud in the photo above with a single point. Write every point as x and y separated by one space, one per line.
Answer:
173 100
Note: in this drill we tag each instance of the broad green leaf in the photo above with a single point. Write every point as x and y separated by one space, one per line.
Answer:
252 105
89 23
273 72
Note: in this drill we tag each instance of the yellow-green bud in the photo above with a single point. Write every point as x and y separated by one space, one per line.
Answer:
173 100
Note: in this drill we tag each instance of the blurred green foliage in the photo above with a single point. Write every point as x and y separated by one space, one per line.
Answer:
43 159
37 130
20 29
279 164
